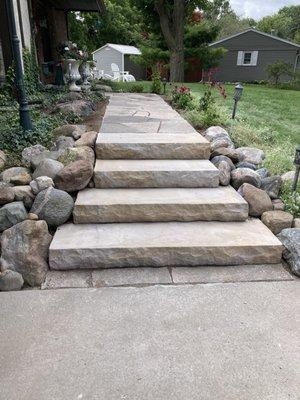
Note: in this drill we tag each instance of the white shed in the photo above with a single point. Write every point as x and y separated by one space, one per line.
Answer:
118 54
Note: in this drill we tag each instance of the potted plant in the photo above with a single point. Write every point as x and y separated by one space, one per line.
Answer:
72 57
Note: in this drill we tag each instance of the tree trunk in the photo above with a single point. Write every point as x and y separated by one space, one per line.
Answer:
177 66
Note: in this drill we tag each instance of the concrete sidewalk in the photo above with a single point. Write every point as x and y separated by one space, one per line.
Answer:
236 341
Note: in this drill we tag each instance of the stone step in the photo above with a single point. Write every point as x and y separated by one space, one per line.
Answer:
163 244
159 205
155 173
152 146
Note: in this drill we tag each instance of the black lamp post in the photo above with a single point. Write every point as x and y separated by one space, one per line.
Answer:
236 97
297 165
25 120
164 82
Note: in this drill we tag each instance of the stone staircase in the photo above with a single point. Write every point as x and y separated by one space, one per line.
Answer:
157 200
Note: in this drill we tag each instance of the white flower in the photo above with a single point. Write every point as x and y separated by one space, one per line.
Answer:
80 52
67 49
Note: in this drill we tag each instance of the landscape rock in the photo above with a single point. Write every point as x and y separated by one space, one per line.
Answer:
244 175
74 176
87 139
228 152
221 142
53 205
263 172
102 88
296 223
2 159
215 132
224 176
48 168
258 200
16 176
10 280
32 217
24 194
6 195
244 164
63 142
288 176
276 221
41 183
272 185
12 214
82 108
45 155
278 205
251 155
25 249
290 238
77 153
217 159
31 152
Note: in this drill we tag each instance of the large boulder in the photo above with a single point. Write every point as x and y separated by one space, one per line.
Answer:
53 205
70 96
221 142
87 139
63 142
12 214
278 204
272 185
24 194
41 183
6 195
74 176
228 152
288 176
251 155
218 159
77 153
48 168
296 223
16 176
276 221
2 159
215 132
31 152
45 155
69 130
258 199
224 173
245 164
25 249
244 175
263 172
10 280
290 238
82 108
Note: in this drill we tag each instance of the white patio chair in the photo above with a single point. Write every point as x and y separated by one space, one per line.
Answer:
121 75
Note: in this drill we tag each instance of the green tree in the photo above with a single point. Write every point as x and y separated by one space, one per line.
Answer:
278 69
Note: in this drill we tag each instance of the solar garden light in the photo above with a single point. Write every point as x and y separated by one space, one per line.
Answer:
297 164
164 82
236 97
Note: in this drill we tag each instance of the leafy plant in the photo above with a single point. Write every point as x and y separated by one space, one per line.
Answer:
277 69
182 97
136 88
291 200
156 86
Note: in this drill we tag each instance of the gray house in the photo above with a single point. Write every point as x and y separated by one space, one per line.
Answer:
250 52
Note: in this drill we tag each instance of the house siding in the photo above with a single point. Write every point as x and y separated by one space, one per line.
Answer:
269 51
134 69
105 57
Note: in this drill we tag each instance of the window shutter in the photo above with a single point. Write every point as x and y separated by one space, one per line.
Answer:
240 58
254 58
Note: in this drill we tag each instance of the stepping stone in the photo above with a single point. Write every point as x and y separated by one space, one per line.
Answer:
155 173
152 146
154 205
163 244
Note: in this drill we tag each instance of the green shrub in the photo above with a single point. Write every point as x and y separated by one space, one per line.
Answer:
291 200
156 85
205 119
182 98
136 88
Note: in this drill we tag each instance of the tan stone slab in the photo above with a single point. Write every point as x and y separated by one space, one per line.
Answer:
236 273
131 276
155 173
163 204
152 146
163 244
67 279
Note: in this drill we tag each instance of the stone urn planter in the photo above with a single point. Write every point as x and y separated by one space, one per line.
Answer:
86 73
73 74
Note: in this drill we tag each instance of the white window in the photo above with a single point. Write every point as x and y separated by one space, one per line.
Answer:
247 58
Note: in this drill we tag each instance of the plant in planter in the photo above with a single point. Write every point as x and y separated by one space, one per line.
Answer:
72 57
86 68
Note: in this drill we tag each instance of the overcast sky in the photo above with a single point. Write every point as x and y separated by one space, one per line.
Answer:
260 8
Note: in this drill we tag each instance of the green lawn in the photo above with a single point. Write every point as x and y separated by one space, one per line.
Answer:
267 118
